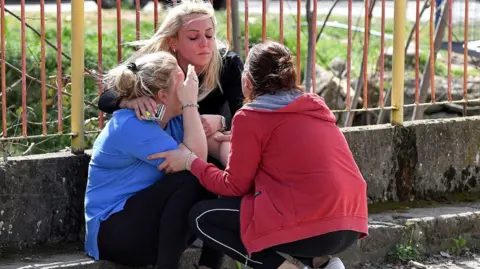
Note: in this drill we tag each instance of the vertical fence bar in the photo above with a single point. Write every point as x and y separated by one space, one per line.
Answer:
3 69
155 14
59 68
365 56
382 56
264 20
229 23
42 63
24 69
314 47
119 31
450 25
100 58
246 29
137 19
77 76
432 49
281 21
417 52
299 21
465 59
349 55
398 68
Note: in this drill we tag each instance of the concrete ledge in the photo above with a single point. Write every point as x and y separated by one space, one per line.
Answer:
431 230
41 196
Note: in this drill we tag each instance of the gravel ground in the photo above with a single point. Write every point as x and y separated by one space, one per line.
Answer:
468 261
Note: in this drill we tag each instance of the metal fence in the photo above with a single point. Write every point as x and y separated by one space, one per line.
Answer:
68 82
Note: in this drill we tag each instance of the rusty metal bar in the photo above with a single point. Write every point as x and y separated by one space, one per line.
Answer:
155 14
42 62
281 21
3 69
16 138
432 49
246 28
119 31
24 69
314 47
450 26
349 56
229 23
137 19
382 56
264 20
299 21
365 56
59 68
465 57
100 58
417 52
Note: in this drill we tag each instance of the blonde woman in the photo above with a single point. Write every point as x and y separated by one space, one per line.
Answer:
189 32
136 215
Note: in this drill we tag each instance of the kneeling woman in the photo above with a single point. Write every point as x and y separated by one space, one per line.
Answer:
136 215
293 183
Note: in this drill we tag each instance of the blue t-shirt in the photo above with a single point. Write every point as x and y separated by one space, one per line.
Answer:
119 167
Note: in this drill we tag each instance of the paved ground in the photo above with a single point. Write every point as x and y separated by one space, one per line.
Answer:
471 261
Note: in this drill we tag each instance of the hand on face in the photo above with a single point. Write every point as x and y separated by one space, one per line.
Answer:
187 91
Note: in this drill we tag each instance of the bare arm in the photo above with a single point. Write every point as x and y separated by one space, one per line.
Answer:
218 149
194 137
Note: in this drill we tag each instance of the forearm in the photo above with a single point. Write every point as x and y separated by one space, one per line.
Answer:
218 149
194 136
109 101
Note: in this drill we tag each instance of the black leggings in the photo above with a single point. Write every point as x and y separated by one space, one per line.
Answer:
217 223
152 229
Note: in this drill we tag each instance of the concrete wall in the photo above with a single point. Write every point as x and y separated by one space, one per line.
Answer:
41 197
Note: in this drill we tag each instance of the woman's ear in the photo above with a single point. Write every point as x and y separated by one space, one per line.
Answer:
162 97
172 42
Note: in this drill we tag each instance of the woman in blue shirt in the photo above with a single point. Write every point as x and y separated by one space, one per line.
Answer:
135 214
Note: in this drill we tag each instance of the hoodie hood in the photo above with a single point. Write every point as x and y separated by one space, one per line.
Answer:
292 102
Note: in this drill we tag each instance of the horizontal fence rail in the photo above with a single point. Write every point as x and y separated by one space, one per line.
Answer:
372 62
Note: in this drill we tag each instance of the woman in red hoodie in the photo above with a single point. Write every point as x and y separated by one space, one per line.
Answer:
291 184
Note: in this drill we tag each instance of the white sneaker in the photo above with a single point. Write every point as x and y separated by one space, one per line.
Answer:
335 263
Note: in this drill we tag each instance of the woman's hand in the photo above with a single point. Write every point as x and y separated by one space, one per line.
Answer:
188 93
223 137
141 105
175 160
211 124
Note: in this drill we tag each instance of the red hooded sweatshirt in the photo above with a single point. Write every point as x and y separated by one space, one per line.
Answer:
294 170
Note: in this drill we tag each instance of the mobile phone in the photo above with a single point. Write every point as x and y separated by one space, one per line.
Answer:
158 114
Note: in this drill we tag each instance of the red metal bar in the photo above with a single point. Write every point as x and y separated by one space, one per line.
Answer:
417 52
264 20
382 56
450 25
59 67
24 69
119 31
100 58
229 22
349 54
3 69
43 73
465 57
155 14
137 19
281 21
246 28
314 47
365 57
299 21
432 49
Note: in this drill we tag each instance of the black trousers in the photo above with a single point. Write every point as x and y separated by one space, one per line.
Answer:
217 223
152 229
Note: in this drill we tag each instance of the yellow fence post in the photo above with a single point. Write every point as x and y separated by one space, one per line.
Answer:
398 62
78 140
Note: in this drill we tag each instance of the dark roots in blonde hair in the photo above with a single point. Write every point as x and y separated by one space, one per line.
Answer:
270 67
144 76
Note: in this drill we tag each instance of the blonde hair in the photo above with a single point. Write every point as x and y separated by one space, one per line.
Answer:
170 27
144 76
